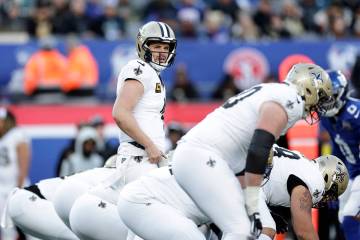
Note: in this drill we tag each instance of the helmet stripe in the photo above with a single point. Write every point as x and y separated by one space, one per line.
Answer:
167 30
162 30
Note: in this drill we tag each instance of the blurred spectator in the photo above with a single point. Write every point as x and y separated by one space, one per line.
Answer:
61 20
94 9
45 70
82 71
291 16
277 28
85 155
173 134
226 89
262 17
215 28
355 78
10 16
228 7
40 23
160 10
355 25
69 17
189 21
15 155
109 25
183 90
245 28
105 148
310 7
69 148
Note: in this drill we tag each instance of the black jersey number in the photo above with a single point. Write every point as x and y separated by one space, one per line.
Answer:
241 96
283 152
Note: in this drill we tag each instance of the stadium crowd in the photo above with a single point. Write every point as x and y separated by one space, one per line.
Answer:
215 20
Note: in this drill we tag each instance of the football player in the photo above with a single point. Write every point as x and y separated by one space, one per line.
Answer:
343 125
31 208
138 111
239 135
299 184
157 207
15 154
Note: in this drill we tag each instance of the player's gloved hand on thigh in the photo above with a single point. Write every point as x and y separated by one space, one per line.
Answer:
281 223
255 225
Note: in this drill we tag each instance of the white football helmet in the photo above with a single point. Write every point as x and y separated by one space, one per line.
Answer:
336 176
314 86
155 32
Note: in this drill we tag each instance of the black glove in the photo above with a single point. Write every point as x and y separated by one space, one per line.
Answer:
256 226
281 223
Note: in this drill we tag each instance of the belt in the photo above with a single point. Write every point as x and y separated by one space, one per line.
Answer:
135 144
170 170
35 189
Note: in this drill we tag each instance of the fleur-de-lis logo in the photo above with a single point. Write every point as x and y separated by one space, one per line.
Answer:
102 204
211 162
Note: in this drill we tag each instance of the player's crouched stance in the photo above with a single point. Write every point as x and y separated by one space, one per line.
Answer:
32 211
156 207
297 186
32 208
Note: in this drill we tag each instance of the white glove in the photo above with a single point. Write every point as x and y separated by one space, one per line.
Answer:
251 204
252 199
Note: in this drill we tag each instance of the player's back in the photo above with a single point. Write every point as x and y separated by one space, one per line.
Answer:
229 129
286 163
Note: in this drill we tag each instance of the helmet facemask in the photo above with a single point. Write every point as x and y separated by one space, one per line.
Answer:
150 56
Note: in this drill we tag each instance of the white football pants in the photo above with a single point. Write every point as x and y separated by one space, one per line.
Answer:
75 186
211 183
94 218
157 221
37 216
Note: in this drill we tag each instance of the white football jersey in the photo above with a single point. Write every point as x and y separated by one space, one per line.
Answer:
9 168
286 163
150 109
159 185
229 129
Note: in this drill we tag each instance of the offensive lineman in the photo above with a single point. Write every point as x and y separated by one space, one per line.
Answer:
156 207
343 125
239 135
138 111
32 209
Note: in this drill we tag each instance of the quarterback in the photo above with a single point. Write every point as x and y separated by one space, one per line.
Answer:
138 111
